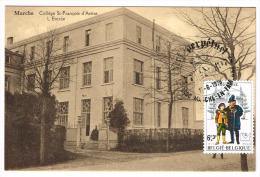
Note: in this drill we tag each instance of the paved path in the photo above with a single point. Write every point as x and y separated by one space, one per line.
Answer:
181 161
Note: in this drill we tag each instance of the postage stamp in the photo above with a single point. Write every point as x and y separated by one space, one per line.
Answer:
228 117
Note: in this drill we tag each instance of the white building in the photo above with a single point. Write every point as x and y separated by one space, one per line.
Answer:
111 58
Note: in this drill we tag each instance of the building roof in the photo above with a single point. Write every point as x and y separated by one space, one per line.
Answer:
99 18
15 62
7 51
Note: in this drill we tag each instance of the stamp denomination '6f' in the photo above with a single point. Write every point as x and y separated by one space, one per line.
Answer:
228 120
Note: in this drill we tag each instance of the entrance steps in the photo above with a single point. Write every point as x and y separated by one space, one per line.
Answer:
93 145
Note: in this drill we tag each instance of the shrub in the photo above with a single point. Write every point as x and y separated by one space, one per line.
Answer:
22 131
94 134
119 119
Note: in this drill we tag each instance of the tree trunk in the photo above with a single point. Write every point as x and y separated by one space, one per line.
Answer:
171 98
169 125
243 159
233 63
42 136
44 97
120 135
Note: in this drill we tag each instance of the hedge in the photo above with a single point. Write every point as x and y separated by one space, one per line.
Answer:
155 140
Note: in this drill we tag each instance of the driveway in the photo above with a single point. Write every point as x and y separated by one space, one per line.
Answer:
180 161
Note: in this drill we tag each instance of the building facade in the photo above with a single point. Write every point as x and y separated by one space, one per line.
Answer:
13 71
111 58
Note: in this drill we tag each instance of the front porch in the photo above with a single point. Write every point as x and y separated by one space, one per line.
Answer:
76 138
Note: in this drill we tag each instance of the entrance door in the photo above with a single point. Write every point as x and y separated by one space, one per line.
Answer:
85 113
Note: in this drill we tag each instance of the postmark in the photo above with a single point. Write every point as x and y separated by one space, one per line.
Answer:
228 118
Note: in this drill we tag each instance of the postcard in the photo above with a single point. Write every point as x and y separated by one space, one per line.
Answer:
132 88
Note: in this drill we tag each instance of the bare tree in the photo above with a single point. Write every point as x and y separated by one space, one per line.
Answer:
234 28
173 74
44 65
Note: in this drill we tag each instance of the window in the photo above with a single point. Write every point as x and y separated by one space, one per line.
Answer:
138 111
185 116
65 44
85 114
63 110
158 77
139 34
108 70
87 68
158 114
158 44
64 77
138 72
7 83
109 31
107 107
31 82
7 59
32 55
87 37
185 89
184 80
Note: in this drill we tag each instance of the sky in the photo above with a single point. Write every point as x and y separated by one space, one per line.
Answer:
23 26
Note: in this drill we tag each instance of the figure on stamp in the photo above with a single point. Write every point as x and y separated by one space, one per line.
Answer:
221 121
234 112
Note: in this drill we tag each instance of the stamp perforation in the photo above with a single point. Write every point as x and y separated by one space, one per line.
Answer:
248 130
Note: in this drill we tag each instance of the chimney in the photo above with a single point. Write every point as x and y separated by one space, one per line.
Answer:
10 41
